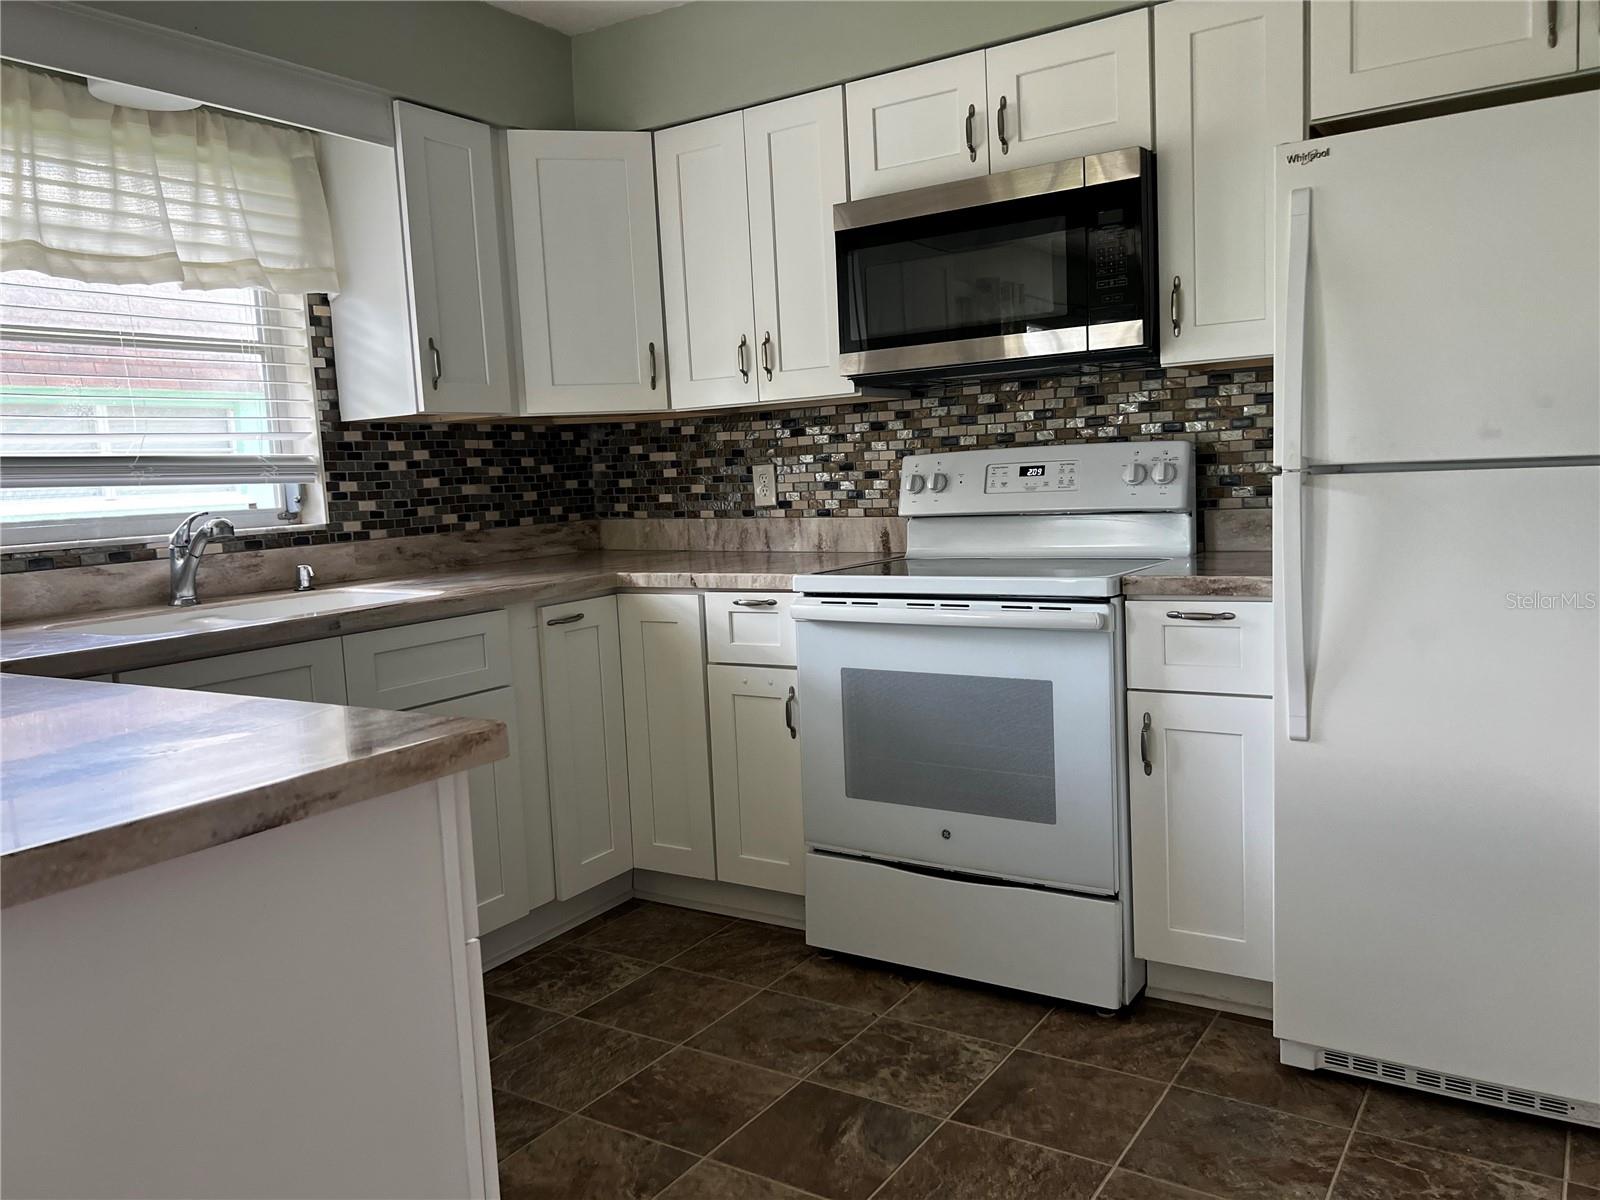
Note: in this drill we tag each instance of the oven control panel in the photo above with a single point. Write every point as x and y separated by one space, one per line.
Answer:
1082 477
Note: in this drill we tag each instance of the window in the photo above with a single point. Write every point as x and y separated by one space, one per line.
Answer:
125 407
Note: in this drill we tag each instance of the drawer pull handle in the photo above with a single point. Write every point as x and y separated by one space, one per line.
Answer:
972 145
1144 744
756 603
788 715
567 620
1175 615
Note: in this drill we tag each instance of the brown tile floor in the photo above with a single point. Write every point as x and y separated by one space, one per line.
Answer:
657 1051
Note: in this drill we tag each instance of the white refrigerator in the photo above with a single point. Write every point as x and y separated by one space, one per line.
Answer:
1437 564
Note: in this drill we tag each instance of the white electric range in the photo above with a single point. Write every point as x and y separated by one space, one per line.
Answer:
963 752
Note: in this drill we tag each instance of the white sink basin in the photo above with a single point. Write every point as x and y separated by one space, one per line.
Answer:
231 614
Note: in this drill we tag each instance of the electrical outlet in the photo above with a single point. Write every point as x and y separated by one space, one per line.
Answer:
765 478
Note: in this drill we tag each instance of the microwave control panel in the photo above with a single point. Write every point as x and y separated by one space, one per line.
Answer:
1083 477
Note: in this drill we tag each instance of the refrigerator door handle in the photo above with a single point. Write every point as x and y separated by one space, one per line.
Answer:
1292 624
1291 393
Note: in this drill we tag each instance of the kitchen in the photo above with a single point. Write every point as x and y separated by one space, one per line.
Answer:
976 607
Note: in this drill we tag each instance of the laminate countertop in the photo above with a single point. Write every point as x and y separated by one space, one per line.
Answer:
99 779
127 639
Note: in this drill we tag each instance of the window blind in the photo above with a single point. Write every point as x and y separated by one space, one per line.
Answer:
137 385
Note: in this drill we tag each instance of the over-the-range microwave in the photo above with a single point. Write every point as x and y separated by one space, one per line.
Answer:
1011 273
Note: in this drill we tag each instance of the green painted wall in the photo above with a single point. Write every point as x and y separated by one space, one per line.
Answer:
711 57
466 58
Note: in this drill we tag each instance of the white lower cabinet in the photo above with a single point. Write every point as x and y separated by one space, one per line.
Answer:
311 671
669 758
1200 793
755 758
585 743
494 794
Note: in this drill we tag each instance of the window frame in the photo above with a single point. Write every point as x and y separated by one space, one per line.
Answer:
301 504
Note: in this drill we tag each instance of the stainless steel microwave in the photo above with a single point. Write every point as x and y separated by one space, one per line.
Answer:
1005 274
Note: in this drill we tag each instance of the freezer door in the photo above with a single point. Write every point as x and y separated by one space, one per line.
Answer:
1438 834
1452 289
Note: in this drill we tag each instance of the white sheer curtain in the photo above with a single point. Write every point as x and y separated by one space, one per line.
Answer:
109 195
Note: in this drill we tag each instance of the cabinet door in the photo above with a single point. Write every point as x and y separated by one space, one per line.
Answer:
755 765
581 662
312 671
669 754
1202 831
451 221
918 127
1375 53
1229 88
705 263
1073 92
795 160
583 215
494 795
1588 34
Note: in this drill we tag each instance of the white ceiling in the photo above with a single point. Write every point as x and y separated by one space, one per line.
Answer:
580 16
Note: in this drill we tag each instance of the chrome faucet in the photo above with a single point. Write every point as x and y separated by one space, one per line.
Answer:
184 548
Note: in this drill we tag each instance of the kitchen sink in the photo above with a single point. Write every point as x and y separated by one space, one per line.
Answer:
232 614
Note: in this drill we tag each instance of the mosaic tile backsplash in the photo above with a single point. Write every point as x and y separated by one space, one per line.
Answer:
834 460
843 459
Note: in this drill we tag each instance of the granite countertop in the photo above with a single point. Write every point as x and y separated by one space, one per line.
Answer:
97 779
1225 575
75 647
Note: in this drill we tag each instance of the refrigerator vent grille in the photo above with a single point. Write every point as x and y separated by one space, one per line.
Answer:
1437 1081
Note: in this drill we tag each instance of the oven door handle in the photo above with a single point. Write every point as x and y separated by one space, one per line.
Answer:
810 610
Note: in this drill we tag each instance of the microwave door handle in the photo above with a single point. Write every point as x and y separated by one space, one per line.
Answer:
1291 401
1289 506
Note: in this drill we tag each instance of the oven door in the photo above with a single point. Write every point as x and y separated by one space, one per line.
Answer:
979 737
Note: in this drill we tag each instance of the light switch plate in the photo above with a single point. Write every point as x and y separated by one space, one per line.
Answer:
765 479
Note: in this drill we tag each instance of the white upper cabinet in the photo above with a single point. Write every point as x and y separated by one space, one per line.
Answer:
452 240
1369 54
1073 92
1229 88
918 127
583 216
795 164
1588 34
705 263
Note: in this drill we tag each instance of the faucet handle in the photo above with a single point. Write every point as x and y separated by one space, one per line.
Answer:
303 575
180 535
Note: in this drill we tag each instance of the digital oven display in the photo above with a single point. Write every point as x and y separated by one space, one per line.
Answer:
1033 472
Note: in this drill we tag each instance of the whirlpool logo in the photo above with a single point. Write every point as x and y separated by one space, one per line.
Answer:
1301 158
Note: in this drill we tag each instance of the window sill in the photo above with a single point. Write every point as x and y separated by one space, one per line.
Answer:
151 542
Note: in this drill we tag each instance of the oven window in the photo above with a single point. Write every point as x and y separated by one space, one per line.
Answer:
952 743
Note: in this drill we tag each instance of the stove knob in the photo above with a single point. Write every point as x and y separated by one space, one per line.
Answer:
940 481
1164 472
915 483
1133 473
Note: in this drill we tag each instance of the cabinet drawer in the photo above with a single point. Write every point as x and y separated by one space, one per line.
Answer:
750 627
309 671
422 664
1200 646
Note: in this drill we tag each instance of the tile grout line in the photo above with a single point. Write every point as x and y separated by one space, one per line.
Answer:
1345 1150
946 1120
1160 1100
